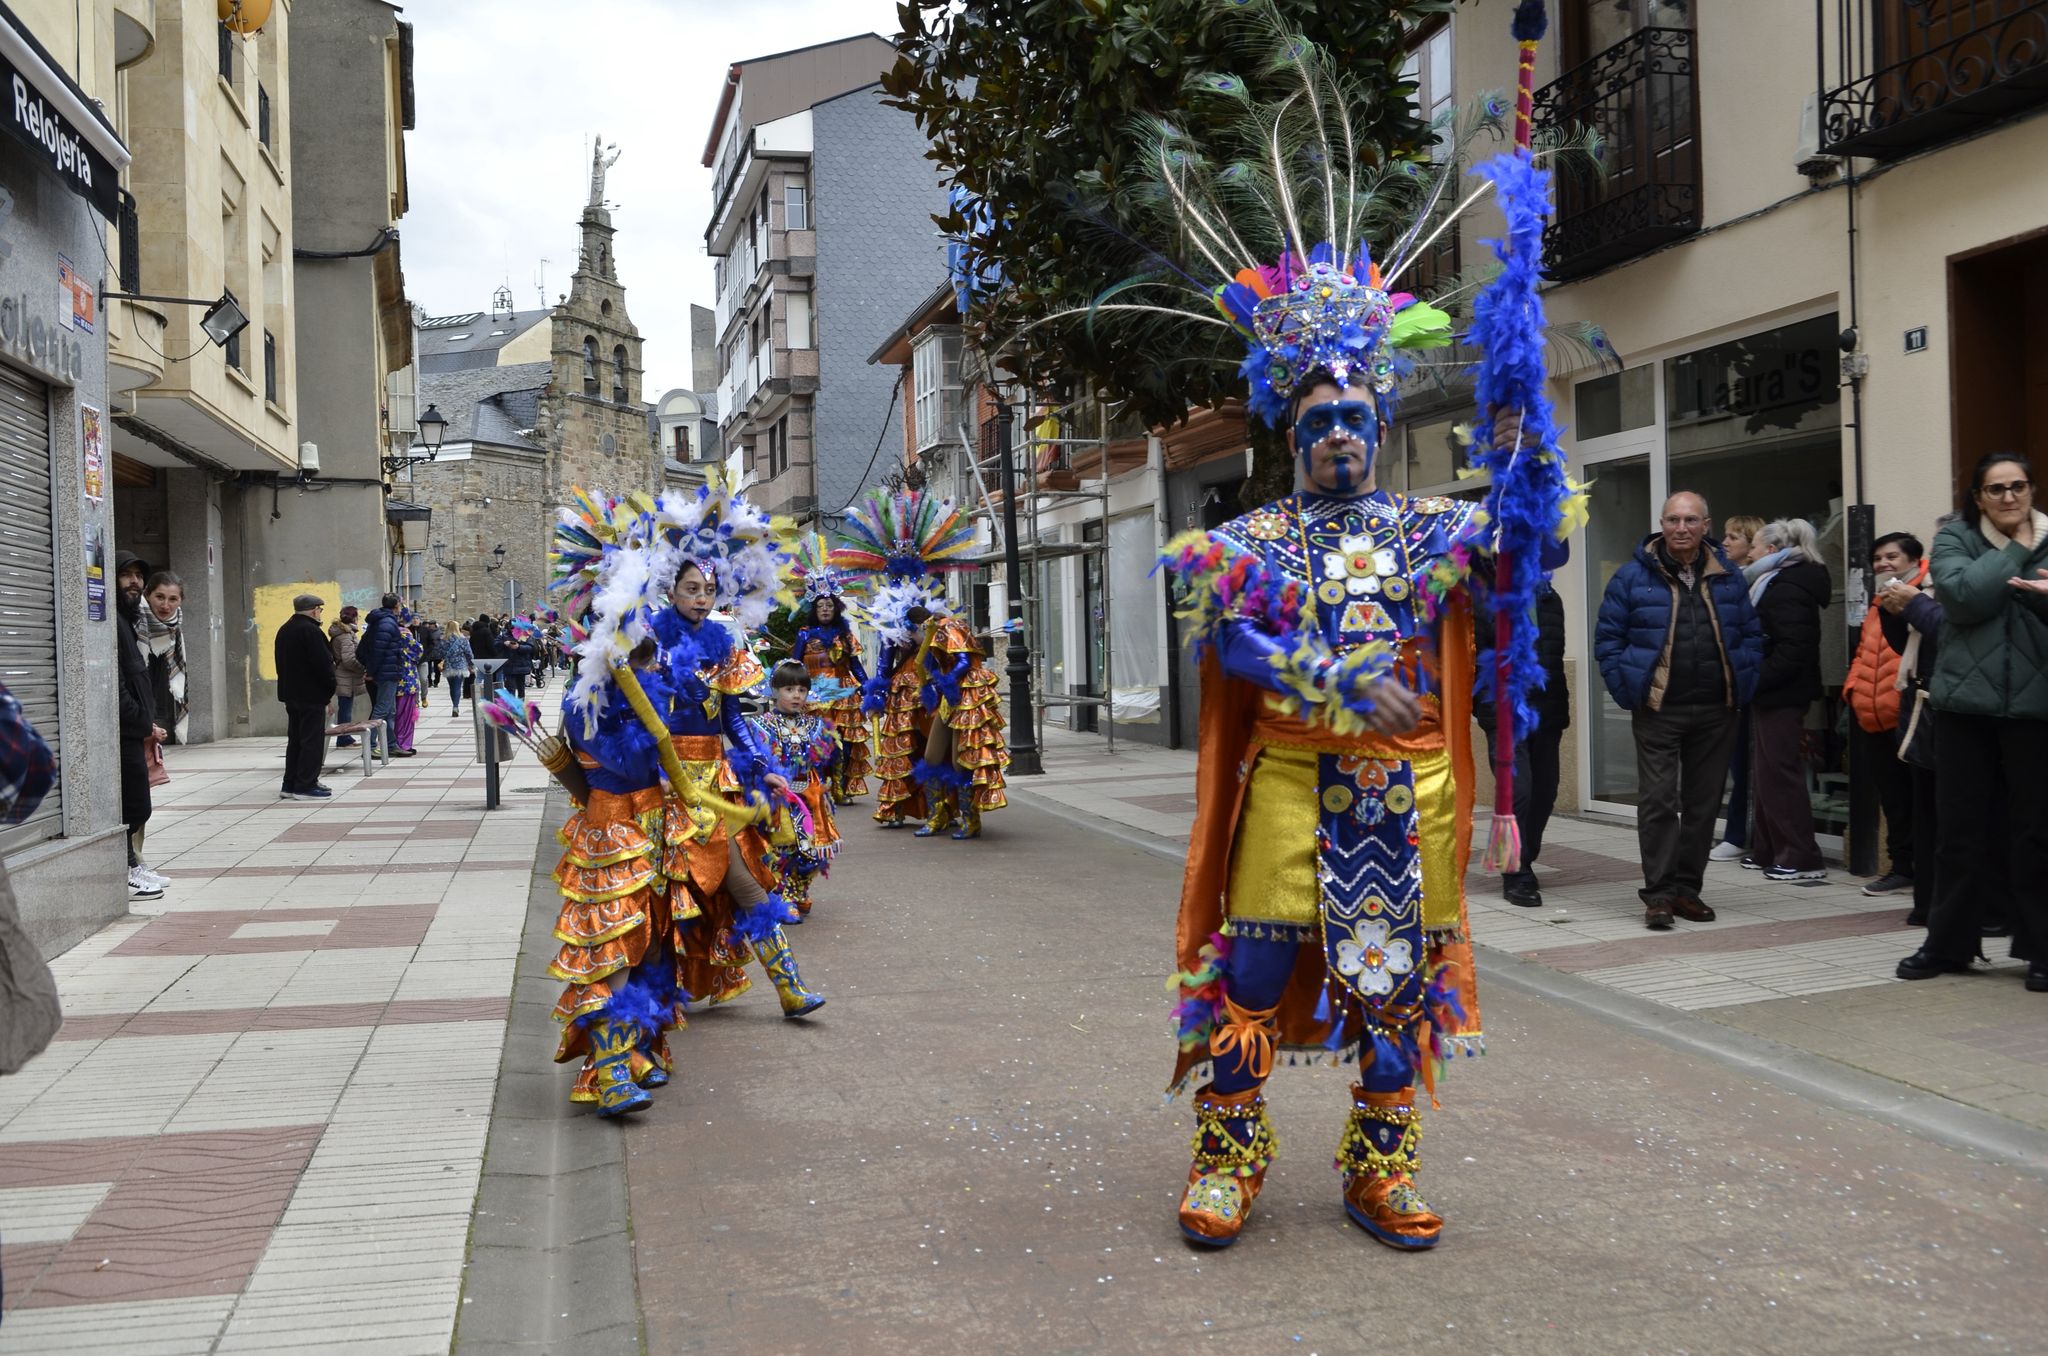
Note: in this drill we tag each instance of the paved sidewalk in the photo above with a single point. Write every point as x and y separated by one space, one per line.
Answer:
262 1125
1808 966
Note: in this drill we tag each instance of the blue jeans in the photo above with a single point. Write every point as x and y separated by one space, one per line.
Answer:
384 704
456 683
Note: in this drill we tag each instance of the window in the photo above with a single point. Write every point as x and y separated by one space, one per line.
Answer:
589 365
263 117
935 376
796 319
778 448
796 207
680 449
270 367
227 54
1428 68
619 373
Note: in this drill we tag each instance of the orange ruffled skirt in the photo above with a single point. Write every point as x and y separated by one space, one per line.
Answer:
979 748
615 904
905 726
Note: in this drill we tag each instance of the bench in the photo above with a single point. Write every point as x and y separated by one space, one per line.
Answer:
375 740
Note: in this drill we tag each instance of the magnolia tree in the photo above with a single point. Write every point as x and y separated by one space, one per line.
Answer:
1029 106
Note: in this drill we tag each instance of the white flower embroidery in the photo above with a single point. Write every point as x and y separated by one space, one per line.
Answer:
1372 959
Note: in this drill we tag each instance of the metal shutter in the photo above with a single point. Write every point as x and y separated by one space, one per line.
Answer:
28 580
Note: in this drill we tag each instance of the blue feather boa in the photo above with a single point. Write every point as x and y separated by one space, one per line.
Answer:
1529 487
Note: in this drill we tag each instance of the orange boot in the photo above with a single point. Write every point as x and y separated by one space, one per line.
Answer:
1379 1159
1234 1145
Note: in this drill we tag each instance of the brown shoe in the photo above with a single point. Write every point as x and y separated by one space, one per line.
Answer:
1657 915
1692 909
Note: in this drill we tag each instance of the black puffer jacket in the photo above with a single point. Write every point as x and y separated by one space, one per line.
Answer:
1551 703
1790 611
138 703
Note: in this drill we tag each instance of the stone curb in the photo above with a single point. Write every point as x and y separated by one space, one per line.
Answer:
550 1265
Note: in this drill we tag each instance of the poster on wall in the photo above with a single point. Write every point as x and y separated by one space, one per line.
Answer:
92 439
76 299
96 573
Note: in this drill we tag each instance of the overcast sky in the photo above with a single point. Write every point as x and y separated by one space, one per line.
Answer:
510 93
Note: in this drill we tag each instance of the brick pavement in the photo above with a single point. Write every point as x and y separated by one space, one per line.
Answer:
262 1125
1808 966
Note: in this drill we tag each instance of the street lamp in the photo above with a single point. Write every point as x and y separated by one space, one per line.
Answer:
433 427
1024 760
455 584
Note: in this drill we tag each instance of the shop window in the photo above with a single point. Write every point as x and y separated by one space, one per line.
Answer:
1615 403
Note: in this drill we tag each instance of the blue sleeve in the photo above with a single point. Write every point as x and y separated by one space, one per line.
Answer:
750 758
1246 650
1555 554
1610 637
1923 614
853 664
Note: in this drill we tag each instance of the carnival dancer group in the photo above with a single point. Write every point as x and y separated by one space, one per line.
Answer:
706 783
1322 914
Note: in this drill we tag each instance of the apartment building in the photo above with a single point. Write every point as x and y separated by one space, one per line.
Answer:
1820 247
204 431
60 196
820 227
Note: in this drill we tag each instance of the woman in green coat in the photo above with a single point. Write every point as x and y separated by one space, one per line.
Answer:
1990 695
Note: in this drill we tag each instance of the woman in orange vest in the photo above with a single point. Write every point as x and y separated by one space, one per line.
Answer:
1873 696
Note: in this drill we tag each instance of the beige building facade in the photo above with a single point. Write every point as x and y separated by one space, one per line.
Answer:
1770 252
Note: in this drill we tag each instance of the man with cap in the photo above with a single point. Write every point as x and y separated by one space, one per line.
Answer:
305 684
138 719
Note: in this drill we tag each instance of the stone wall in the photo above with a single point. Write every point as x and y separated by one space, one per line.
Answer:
494 497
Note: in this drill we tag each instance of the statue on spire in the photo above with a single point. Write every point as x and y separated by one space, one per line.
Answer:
599 163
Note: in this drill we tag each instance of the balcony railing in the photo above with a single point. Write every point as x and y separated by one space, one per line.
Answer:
1642 97
1913 73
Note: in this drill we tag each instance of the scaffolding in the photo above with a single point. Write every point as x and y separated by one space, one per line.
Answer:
1048 471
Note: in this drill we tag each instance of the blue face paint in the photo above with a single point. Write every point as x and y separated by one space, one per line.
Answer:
1356 420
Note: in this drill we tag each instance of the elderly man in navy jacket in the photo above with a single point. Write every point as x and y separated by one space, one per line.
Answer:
1679 648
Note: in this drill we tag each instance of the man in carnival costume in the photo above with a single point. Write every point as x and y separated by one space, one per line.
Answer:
896 544
826 646
1322 910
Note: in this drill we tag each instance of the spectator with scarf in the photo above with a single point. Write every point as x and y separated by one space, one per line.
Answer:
162 632
1788 588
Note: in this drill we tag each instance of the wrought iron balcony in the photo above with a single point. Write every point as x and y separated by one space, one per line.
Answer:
1914 73
1641 96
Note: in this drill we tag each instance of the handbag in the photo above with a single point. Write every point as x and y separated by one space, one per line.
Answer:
153 759
1916 731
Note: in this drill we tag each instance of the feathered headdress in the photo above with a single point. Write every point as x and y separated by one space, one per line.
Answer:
820 577
902 534
616 562
1282 216
742 550
888 610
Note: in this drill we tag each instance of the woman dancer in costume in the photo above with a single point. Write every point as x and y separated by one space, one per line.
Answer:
804 744
965 756
710 549
827 647
896 544
616 931
1322 910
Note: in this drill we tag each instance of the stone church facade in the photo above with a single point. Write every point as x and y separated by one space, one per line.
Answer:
537 403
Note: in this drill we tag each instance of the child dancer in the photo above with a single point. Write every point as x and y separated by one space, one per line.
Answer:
807 748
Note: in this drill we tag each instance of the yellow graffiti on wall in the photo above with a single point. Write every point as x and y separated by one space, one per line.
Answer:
274 606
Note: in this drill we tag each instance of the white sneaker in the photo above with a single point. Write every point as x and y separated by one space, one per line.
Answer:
1726 852
139 886
152 877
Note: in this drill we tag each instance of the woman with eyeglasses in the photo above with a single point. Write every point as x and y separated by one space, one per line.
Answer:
1990 695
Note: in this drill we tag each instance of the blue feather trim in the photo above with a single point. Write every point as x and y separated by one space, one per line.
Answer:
1529 487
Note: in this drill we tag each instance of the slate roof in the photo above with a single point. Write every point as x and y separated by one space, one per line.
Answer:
454 342
488 404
